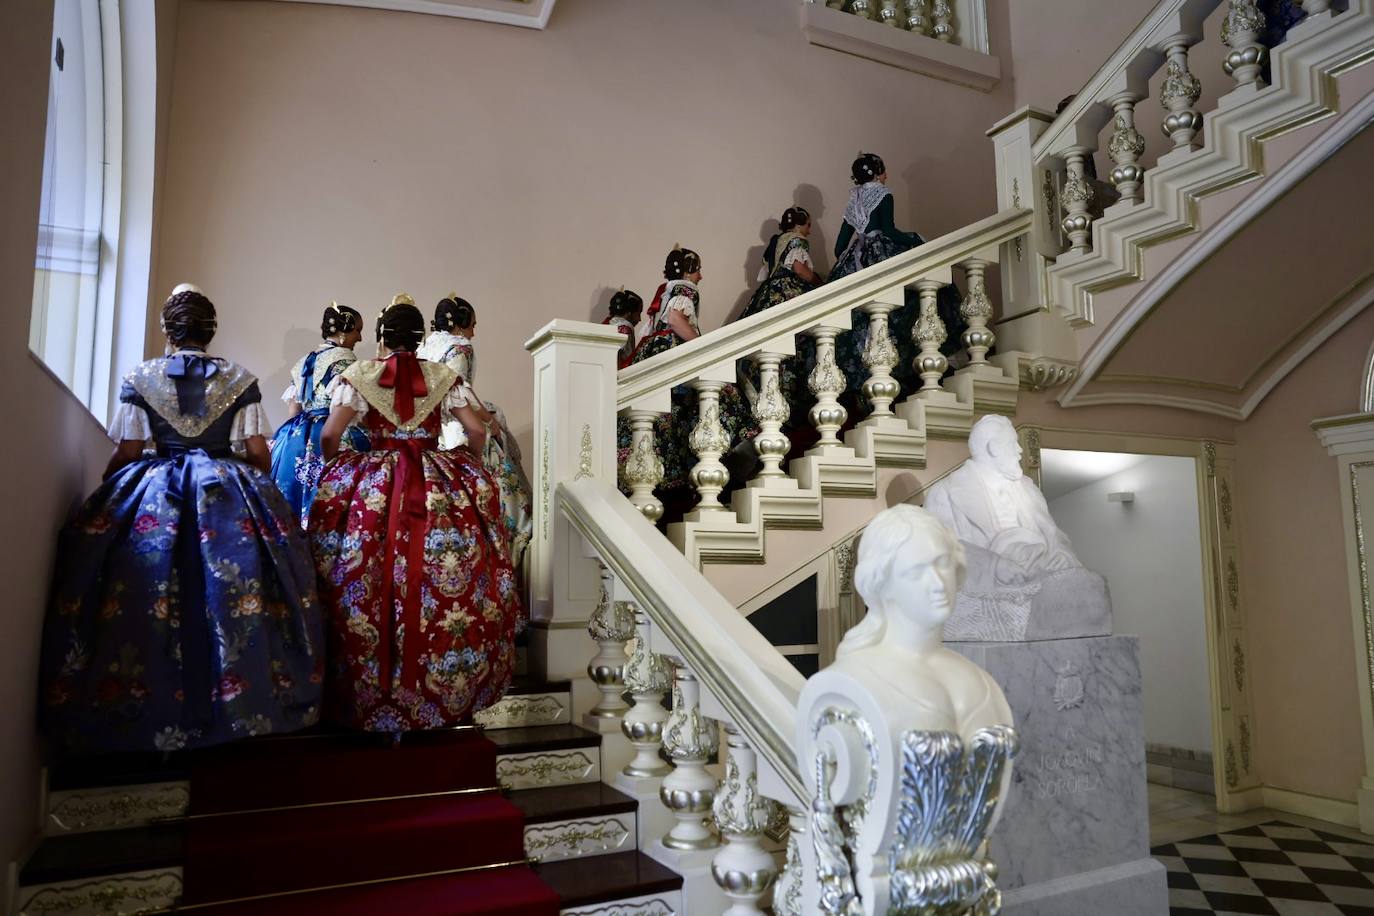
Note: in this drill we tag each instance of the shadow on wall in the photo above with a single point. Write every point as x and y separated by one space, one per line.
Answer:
809 198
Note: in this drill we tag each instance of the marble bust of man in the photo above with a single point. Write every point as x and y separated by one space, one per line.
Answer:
1024 582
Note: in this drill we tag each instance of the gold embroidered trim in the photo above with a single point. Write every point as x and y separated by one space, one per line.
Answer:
160 392
323 363
364 375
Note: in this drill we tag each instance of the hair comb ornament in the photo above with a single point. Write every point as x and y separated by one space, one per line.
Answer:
186 288
402 299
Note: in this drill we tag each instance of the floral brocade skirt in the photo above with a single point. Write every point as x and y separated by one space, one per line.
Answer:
184 613
298 461
415 575
673 430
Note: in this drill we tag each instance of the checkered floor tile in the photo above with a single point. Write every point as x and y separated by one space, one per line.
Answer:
1275 869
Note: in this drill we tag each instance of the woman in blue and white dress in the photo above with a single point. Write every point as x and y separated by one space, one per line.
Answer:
184 611
296 457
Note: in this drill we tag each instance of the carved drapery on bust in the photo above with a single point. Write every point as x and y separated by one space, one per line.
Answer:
1024 582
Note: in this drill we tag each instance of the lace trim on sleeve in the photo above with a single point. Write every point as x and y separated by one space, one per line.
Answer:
797 254
251 420
130 422
686 306
288 396
342 394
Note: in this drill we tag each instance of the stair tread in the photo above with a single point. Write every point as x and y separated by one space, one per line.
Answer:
557 803
104 852
613 877
523 685
531 738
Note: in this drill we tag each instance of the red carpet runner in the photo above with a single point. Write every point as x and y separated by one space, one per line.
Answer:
349 824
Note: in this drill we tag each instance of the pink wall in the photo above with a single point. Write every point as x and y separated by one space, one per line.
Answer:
1293 575
56 448
325 152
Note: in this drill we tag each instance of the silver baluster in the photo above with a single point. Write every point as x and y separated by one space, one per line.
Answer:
977 311
826 382
612 624
944 21
692 740
1125 147
1241 31
1077 196
643 470
929 333
879 356
916 19
888 14
1179 95
710 441
789 888
771 410
646 677
742 868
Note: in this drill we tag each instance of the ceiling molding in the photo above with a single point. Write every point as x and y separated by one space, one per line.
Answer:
1345 127
528 14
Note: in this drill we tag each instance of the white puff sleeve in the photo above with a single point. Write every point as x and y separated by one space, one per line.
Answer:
288 397
458 397
797 254
342 394
251 420
130 422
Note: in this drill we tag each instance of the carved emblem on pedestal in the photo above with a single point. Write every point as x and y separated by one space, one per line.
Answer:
1068 687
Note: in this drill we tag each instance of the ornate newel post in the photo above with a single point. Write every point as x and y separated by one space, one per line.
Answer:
574 423
1125 148
742 868
612 625
826 382
1178 95
1077 196
692 740
643 470
709 441
1241 31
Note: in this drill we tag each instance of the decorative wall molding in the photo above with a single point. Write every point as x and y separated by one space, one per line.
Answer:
529 14
830 28
83 810
554 841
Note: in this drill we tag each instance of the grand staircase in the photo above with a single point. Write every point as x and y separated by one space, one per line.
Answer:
487 819
499 818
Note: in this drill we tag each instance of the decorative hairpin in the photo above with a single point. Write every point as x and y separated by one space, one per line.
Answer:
402 299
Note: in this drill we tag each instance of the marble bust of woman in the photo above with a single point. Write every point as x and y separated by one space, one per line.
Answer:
909 571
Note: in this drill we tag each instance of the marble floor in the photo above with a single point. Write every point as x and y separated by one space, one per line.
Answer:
1177 814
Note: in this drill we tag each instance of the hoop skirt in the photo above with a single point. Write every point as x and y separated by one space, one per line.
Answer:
297 460
414 569
184 612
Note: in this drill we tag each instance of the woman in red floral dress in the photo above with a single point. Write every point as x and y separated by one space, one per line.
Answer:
413 560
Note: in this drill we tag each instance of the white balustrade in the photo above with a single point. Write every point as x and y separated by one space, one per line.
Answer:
1241 31
929 333
935 18
827 382
879 357
692 740
771 410
1125 147
647 679
976 310
742 868
643 470
1179 96
709 441
612 625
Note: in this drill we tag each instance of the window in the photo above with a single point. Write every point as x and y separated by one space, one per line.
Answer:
95 215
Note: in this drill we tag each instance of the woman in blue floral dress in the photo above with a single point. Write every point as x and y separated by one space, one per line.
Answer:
450 342
672 320
296 459
184 612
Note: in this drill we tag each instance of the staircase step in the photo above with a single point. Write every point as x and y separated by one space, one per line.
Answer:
103 871
513 890
630 879
243 855
546 755
577 821
528 703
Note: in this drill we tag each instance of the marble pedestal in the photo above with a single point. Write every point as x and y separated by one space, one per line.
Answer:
1074 834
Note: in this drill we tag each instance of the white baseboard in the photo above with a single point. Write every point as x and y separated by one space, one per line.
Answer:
1332 810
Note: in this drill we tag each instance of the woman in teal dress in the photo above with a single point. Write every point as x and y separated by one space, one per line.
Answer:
296 457
870 236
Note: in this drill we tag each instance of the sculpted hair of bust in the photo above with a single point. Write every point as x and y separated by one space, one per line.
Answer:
993 443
